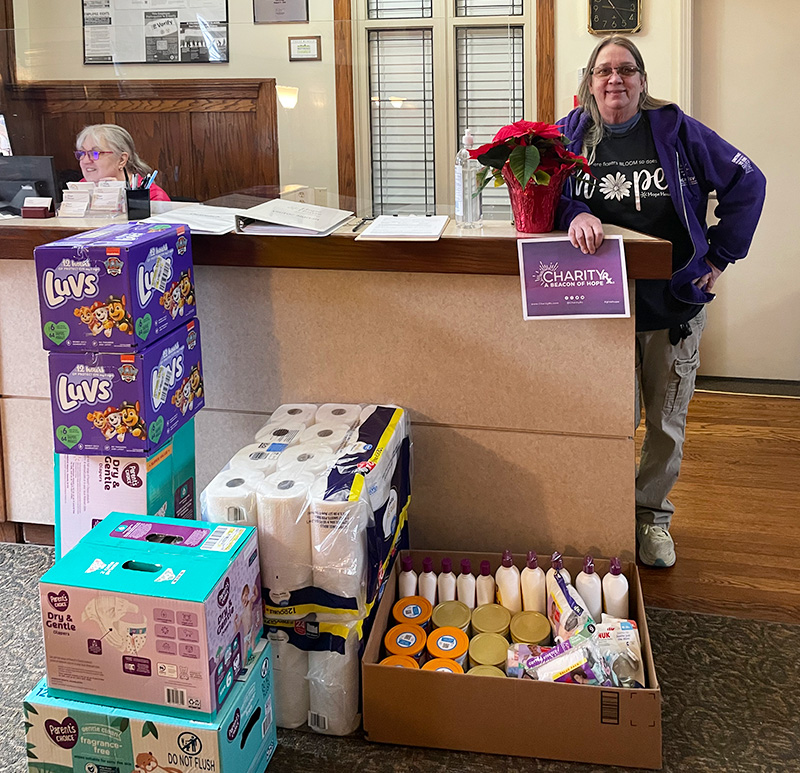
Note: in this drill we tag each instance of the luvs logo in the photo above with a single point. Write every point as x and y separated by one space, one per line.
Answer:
76 286
163 378
146 279
91 391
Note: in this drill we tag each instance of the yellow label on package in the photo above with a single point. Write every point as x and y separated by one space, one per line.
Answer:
222 539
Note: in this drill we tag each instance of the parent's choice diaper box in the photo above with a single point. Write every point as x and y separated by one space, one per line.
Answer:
88 488
126 404
581 723
117 288
70 736
148 610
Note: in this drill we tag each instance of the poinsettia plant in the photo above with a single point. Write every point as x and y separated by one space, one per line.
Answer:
533 151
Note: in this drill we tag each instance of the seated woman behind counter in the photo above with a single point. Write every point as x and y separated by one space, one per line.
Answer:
106 151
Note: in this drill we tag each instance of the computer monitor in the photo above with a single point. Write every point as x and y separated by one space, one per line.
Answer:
23 176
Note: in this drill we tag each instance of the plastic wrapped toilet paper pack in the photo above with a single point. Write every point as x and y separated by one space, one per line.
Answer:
282 435
291 686
256 456
231 498
333 681
303 413
337 413
307 457
330 435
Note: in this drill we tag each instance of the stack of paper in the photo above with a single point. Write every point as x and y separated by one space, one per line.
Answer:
282 217
201 218
412 228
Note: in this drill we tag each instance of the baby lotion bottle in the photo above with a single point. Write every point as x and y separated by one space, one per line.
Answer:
465 584
590 589
556 565
427 581
533 585
407 584
507 581
484 585
446 582
615 591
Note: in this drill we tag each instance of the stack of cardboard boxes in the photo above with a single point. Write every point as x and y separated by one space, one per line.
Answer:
118 320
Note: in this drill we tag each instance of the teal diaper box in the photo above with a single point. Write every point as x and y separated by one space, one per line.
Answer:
88 488
69 736
153 611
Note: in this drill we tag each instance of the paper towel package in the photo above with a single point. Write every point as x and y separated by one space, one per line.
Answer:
116 288
126 404
88 488
148 610
330 520
65 735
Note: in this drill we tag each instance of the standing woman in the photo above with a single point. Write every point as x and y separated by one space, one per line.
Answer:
653 167
106 151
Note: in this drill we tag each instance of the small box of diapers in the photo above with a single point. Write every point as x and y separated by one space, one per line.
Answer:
328 488
65 735
116 288
153 611
126 404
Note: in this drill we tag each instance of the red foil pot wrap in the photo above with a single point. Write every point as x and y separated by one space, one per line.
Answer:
534 206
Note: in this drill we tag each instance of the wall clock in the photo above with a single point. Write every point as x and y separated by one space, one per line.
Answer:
609 16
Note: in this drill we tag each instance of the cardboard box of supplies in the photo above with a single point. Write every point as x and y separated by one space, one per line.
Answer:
520 717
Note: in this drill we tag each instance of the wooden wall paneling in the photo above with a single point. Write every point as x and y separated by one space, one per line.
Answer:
545 61
345 119
60 132
268 161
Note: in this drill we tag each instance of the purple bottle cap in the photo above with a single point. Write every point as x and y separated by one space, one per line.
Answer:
447 566
406 564
427 564
486 568
588 565
466 566
533 560
615 567
507 558
557 561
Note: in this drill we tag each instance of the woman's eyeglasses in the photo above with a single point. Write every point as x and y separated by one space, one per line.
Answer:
625 71
93 154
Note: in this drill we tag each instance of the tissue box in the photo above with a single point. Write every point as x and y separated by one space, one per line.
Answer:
88 488
148 610
126 404
116 288
65 735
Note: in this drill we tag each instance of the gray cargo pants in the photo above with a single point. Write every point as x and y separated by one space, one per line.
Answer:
665 376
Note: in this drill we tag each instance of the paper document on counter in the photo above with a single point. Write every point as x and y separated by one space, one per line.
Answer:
201 218
411 228
282 217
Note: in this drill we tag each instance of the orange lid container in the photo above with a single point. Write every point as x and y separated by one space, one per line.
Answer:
448 642
405 640
415 610
443 664
399 661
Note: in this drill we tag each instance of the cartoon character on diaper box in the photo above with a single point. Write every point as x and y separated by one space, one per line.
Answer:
179 296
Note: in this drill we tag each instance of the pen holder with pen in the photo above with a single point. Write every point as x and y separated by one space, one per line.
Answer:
138 202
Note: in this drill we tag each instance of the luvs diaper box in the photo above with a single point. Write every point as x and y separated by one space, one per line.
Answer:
126 404
88 488
148 610
116 288
69 736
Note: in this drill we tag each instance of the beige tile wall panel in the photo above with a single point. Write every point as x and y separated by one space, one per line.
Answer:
488 490
23 362
454 349
28 459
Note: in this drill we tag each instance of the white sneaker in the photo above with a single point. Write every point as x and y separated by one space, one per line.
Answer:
656 547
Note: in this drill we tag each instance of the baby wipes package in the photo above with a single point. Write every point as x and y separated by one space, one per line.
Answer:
69 736
330 504
88 488
149 610
115 289
126 404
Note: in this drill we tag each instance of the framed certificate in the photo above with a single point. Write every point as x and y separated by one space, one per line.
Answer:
277 11
305 49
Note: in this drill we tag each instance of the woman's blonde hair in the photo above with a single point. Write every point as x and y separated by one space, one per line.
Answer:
594 133
117 139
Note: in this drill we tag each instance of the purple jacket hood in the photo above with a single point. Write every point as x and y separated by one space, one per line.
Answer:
696 161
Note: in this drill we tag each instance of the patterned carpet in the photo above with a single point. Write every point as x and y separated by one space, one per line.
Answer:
730 687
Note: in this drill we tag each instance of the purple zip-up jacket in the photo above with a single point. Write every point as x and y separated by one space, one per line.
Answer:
696 161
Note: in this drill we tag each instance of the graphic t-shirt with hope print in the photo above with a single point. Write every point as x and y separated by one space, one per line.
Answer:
629 190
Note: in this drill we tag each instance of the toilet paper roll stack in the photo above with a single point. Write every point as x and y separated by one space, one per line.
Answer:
339 543
256 457
333 681
291 687
231 498
285 433
307 457
284 537
338 413
333 436
295 413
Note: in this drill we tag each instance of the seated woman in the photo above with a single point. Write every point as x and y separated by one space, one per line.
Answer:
106 151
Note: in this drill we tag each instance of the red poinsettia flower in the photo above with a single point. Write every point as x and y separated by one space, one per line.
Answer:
522 128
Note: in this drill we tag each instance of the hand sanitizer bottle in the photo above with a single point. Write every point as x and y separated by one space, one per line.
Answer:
427 581
590 589
469 207
533 586
484 585
446 582
615 591
465 584
407 583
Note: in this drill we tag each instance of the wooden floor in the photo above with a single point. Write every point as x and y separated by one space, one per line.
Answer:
737 511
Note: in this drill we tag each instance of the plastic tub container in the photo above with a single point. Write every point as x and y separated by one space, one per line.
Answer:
530 628
486 671
413 610
488 649
455 614
443 664
491 618
449 643
400 661
405 640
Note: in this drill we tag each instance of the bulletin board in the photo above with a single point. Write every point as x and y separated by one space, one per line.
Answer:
155 31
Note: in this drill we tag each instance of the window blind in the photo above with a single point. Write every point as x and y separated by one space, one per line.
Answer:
399 9
490 93
401 121
488 7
